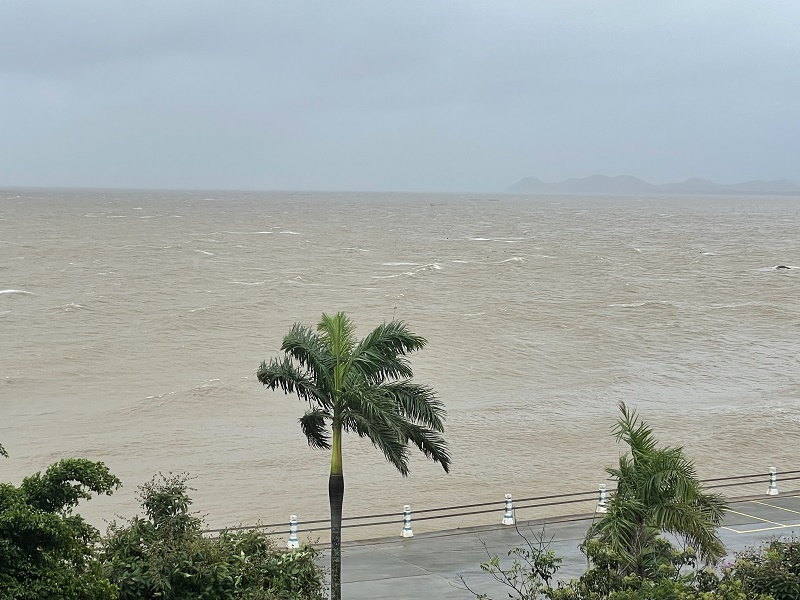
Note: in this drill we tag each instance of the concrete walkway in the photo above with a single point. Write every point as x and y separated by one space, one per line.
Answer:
428 565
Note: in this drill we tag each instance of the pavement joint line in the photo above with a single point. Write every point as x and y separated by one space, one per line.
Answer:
754 517
400 558
778 507
426 574
761 529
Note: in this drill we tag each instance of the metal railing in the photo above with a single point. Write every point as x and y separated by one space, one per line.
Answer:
503 508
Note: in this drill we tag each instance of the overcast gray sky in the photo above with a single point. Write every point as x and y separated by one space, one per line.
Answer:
430 95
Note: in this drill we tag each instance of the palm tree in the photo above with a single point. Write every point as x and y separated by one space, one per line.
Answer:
363 387
657 491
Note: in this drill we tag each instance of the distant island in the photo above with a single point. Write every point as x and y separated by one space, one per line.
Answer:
626 184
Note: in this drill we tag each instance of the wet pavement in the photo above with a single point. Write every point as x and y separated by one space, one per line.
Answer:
429 565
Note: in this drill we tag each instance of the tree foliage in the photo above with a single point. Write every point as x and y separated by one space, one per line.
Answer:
657 491
164 555
46 551
773 570
529 576
363 387
531 573
677 577
629 559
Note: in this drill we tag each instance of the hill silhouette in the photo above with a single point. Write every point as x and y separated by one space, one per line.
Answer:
627 184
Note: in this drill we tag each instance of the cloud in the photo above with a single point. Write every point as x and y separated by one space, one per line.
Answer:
448 95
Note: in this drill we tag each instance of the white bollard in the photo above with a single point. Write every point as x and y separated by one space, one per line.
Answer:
293 544
772 490
601 506
406 533
508 516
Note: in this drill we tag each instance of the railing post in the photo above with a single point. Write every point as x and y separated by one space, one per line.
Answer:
772 490
508 516
601 505
407 533
293 544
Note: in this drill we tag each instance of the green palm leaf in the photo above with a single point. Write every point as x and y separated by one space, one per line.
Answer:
283 374
309 352
314 427
416 402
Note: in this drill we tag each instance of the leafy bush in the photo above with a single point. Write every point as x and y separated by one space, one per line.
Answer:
45 550
675 578
774 570
530 574
165 556
675 575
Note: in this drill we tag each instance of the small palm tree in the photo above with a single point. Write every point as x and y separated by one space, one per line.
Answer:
657 491
363 387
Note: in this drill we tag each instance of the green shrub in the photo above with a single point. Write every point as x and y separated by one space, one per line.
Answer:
46 551
674 576
165 556
774 570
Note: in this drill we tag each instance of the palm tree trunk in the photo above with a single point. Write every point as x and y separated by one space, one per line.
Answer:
336 498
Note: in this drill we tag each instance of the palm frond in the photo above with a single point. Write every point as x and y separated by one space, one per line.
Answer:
666 473
306 347
382 429
430 443
379 356
713 506
620 527
684 520
314 427
416 402
634 433
625 475
337 333
283 374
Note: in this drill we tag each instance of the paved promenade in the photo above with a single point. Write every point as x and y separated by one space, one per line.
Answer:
428 565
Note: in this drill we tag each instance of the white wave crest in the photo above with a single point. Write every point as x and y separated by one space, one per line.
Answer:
642 304
9 292
408 274
434 266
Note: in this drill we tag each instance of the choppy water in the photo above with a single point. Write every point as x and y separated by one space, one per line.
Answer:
131 325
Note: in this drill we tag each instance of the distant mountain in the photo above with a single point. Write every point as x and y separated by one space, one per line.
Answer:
625 184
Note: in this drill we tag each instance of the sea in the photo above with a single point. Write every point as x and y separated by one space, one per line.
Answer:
132 324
